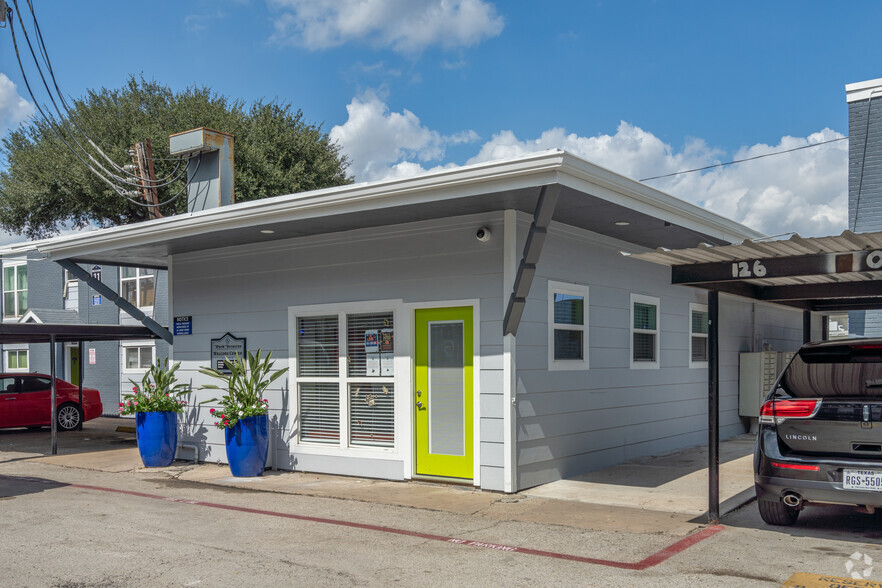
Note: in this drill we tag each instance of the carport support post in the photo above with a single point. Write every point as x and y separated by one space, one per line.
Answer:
80 383
713 407
806 326
54 393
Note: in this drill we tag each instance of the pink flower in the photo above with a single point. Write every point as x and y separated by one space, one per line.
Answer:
211 411
134 388
136 404
120 404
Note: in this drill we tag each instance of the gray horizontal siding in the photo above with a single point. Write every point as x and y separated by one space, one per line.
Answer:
570 422
247 291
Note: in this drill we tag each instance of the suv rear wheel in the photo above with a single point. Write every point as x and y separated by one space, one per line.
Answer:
777 513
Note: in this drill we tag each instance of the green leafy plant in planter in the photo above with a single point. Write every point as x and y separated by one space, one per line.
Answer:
158 391
249 377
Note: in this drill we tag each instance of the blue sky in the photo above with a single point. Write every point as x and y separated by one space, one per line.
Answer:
641 87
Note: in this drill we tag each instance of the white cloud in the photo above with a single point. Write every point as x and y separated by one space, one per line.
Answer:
13 108
803 191
376 140
406 26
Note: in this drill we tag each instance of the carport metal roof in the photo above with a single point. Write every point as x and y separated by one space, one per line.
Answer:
822 274
70 333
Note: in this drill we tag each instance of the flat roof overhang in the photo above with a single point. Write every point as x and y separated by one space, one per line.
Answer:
591 198
66 333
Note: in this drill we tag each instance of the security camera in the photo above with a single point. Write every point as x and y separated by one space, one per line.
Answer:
483 234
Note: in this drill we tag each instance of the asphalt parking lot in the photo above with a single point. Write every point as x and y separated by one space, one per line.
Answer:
373 531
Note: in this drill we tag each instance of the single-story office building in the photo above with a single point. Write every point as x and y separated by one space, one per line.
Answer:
476 324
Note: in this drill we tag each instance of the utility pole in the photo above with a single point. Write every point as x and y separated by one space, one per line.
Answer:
142 157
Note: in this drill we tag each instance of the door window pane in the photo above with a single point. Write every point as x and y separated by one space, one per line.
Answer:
446 395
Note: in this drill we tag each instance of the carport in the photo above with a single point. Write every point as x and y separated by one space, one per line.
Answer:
817 275
68 333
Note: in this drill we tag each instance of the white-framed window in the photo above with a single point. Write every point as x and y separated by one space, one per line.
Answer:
698 329
644 332
344 374
15 360
137 357
15 290
567 326
137 285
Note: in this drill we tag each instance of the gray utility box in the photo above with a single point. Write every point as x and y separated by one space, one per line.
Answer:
757 373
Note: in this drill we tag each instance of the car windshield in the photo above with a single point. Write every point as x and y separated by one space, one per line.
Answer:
834 371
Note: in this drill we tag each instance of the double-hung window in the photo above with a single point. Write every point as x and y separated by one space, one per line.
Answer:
345 379
15 290
567 326
698 328
137 286
644 331
138 357
16 360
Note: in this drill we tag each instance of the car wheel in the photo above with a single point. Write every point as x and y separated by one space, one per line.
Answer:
777 513
69 417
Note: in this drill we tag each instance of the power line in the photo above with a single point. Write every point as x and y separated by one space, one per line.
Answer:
687 171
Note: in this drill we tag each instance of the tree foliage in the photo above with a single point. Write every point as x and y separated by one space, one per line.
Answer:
45 187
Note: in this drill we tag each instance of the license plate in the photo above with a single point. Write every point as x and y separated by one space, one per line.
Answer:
862 480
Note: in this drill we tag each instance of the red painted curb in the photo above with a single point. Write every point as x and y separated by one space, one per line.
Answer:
652 560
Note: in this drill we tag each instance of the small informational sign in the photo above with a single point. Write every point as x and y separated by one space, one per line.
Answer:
96 300
183 325
96 272
227 347
92 356
372 352
387 352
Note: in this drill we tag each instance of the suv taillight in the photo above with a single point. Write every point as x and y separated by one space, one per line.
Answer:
788 409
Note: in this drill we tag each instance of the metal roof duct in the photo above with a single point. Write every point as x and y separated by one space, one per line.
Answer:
209 169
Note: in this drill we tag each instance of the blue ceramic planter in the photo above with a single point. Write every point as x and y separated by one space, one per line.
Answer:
247 445
157 437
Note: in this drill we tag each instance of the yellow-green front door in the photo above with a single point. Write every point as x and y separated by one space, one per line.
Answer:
443 406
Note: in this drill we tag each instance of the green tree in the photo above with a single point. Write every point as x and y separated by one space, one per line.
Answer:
45 186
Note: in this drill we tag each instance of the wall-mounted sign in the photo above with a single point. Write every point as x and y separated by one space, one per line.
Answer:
96 272
91 356
183 325
227 347
96 300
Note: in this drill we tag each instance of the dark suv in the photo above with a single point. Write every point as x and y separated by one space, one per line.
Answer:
820 431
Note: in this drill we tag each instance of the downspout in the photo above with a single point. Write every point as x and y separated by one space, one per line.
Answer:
114 297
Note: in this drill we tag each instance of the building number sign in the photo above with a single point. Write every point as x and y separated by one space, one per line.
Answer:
743 269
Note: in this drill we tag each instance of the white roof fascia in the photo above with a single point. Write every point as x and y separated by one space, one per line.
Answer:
536 169
630 193
862 90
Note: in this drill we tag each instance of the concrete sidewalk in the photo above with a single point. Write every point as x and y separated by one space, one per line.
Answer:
659 494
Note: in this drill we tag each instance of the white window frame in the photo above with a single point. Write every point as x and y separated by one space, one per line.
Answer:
8 369
137 280
645 365
129 344
572 290
696 307
400 383
19 312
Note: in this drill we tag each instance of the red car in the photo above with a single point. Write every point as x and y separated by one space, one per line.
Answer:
26 401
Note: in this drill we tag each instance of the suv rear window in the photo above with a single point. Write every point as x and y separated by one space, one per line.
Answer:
835 371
